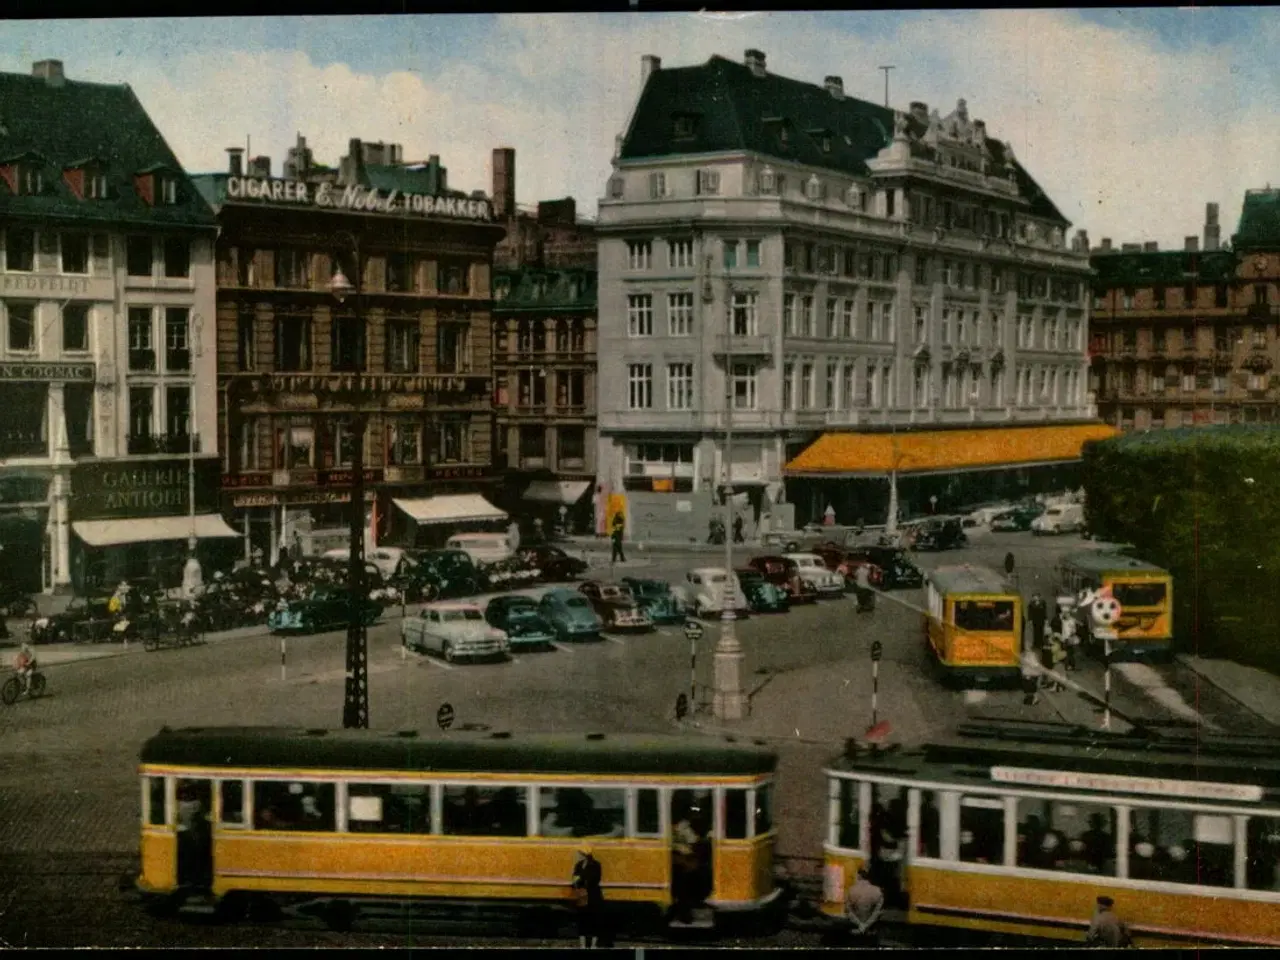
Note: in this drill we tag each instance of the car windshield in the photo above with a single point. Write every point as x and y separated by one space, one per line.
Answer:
577 602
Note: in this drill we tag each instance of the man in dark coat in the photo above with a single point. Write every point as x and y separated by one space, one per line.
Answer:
589 895
619 527
1037 617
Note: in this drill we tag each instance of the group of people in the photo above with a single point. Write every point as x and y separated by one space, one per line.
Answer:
1050 643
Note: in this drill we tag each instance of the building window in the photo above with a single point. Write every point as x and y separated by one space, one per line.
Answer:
75 252
293 268
453 342
455 276
639 254
296 447
1126 300
922 269
402 274
292 343
810 320
788 387
22 326
730 254
246 267
1219 383
177 405
571 443
847 319
1220 297
753 253
922 387
640 315
177 347
1257 381
886 322
347 344
141 352
962 331
679 254
451 442
789 314
640 386
680 386
744 386
870 386
1188 383
1259 336
168 190
806 386
948 388
921 316
657 186
848 389
403 340
138 256
744 314
177 257
832 374
679 314
996 333
945 327
95 185
141 411
708 182
75 327
832 319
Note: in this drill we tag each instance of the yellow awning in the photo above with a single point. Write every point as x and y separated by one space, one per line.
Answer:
942 451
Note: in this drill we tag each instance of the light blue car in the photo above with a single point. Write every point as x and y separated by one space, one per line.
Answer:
570 614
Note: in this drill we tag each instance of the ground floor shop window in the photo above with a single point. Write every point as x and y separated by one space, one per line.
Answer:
24 426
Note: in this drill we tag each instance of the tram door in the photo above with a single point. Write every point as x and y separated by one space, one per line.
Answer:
692 824
888 836
195 833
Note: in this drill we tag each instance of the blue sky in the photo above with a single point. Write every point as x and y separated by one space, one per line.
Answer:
1131 119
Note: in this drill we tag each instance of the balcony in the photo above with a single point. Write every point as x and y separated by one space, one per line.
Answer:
175 361
142 361
743 346
156 443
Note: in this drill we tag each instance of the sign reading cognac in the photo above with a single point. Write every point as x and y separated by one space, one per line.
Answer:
368 199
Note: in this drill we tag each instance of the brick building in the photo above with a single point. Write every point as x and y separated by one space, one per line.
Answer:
411 352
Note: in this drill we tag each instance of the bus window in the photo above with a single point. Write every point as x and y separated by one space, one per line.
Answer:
488 811
982 830
297 805
845 826
735 813
1180 846
582 811
764 808
155 801
389 808
1066 835
1130 594
231 797
984 614
930 843
1262 869
648 818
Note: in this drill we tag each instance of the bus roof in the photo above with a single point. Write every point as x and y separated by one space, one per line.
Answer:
1107 561
969 579
461 752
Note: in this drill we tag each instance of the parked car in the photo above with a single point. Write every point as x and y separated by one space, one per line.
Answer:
813 570
556 565
706 590
941 533
852 562
1059 518
895 565
521 619
386 560
452 573
1016 519
456 631
657 599
616 606
85 620
784 573
763 596
570 614
326 608
482 547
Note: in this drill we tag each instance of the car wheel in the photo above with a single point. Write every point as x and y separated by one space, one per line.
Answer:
448 653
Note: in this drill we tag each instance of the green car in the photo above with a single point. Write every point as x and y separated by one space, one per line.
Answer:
325 609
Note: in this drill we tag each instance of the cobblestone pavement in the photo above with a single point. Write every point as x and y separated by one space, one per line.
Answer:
69 793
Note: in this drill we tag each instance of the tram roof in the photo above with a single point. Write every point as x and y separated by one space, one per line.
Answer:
1107 561
461 752
969 579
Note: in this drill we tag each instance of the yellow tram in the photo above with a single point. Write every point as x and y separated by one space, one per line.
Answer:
1143 590
1016 829
338 818
973 624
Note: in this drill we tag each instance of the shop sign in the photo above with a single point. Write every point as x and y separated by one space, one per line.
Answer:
328 196
231 481
28 283
457 473
141 488
75 372
294 498
344 478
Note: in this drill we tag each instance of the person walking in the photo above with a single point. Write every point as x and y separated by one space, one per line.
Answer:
619 528
863 905
588 897
1037 615
737 529
1106 929
1070 629
1030 678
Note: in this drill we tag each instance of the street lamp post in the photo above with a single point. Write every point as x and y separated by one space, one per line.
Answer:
192 575
729 702
355 704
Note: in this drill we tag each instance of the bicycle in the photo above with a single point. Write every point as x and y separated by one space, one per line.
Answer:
12 690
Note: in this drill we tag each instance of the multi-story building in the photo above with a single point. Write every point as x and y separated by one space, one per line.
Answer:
408 349
544 361
1189 337
107 387
803 266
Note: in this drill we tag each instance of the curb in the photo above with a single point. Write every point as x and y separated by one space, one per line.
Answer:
1185 662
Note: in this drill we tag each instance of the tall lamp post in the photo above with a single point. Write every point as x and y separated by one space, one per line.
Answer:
192 575
355 704
729 701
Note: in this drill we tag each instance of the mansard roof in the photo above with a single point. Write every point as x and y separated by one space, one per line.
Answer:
1259 221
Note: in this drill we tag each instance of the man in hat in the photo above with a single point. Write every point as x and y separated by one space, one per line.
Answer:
862 906
589 897
1106 929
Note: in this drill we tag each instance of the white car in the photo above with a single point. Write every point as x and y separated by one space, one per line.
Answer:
1059 518
814 572
482 547
456 631
386 559
704 592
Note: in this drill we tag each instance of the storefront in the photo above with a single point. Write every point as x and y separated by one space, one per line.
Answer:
428 522
24 521
560 504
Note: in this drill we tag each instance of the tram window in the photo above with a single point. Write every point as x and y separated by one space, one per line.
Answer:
691 814
582 811
764 808
476 811
1066 835
232 800
1135 594
648 818
982 830
389 808
845 830
1262 870
735 814
984 614
888 821
1180 846
296 805
155 801
930 843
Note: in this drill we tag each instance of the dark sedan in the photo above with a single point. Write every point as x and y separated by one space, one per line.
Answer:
942 533
784 573
1016 520
615 606
657 599
763 596
556 565
895 565
521 619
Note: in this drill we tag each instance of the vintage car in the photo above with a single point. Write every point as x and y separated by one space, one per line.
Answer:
706 589
846 561
616 606
811 568
388 561
657 599
328 608
449 573
570 614
941 533
1016 519
85 620
784 573
895 567
521 619
556 565
456 631
763 596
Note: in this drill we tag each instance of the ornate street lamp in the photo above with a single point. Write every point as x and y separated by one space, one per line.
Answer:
729 701
192 575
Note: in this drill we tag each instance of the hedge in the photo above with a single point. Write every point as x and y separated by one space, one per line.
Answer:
1204 503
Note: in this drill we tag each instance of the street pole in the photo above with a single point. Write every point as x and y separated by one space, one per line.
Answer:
192 576
1106 705
729 702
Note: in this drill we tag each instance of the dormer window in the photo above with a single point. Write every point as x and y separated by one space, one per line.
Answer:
684 127
168 190
95 185
30 180
815 189
157 185
24 173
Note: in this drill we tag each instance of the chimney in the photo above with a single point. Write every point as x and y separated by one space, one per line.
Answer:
351 167
835 87
50 71
260 167
235 161
397 154
504 182
1212 231
297 163
649 65
1191 244
920 111
1106 244
755 60
1081 243
979 131
1151 246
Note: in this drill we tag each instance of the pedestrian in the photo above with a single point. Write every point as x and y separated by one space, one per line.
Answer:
1030 678
737 529
1106 929
588 897
863 905
1037 615
619 528
1070 629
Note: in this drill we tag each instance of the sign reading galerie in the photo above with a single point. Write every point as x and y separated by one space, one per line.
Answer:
358 198
150 488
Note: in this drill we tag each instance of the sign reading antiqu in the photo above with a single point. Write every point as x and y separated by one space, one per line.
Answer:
367 199
141 488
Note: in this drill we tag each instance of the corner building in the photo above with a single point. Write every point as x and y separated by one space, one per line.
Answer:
411 351
812 270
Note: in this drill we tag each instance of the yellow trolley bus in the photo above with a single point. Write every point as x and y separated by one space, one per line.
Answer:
974 624
1016 829
338 820
1143 590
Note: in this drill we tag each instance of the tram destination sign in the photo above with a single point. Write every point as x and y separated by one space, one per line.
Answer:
1110 783
360 199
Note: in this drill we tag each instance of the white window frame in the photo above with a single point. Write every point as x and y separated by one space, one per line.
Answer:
657 185
848 319
680 314
680 385
639 386
789 306
745 375
809 316
707 183
832 318
680 253
747 301
887 325
639 254
640 315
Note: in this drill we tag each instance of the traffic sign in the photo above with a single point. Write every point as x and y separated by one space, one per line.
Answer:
445 715
877 650
693 630
682 706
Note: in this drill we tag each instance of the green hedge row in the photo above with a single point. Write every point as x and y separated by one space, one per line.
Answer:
1204 503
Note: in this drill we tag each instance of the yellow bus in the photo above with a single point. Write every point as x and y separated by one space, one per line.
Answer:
1013 831
973 625
335 822
1143 590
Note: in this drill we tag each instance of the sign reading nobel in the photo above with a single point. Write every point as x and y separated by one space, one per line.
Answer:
368 199
139 489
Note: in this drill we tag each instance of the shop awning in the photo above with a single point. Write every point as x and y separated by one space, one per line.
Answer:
455 508
111 533
567 492
944 451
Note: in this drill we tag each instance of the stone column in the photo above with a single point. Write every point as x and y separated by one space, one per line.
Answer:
60 489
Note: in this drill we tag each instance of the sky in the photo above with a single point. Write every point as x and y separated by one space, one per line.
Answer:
1130 119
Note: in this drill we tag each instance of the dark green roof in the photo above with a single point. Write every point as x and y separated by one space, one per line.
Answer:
1105 561
538 289
1165 267
1259 221
1233 436
66 123
735 110
969 579
460 752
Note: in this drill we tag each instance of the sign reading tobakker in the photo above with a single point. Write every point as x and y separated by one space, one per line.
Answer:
366 199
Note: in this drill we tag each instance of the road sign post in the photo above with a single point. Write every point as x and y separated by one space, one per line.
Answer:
282 656
1106 695
445 716
877 651
693 630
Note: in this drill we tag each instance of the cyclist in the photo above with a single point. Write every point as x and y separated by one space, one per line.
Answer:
25 665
